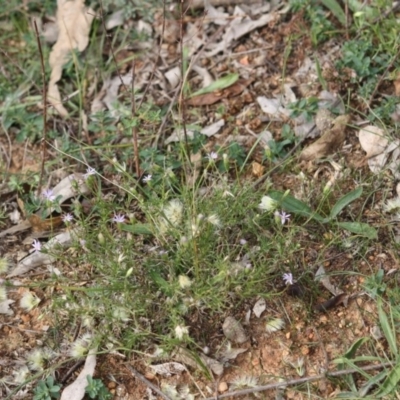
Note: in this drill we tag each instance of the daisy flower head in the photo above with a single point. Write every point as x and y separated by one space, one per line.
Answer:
243 242
147 178
267 204
212 156
89 172
184 281
181 331
213 219
173 212
392 205
3 293
67 217
3 265
119 218
29 301
81 346
37 246
21 375
48 194
36 360
284 217
288 278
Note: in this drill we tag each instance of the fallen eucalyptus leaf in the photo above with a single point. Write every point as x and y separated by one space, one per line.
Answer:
233 330
372 140
76 390
259 307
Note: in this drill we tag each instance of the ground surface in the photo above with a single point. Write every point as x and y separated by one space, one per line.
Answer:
314 336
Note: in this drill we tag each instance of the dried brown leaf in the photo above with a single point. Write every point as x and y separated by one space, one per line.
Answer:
74 21
329 142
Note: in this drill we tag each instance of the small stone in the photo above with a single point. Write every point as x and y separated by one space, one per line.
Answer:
222 387
149 376
255 362
111 385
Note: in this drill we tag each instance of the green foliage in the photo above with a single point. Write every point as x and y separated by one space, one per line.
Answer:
46 390
375 285
320 27
95 389
306 107
29 125
277 149
295 206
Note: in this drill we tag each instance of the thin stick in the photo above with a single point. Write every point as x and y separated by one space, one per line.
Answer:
44 139
382 78
148 383
298 381
134 127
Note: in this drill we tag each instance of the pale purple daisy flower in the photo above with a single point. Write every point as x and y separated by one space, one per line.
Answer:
283 216
67 217
242 241
48 194
212 156
147 178
118 218
89 171
37 246
288 278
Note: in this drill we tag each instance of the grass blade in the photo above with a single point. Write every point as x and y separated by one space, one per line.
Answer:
334 7
359 228
219 84
387 328
292 205
344 201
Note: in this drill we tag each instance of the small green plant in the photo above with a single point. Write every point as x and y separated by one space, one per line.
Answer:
96 389
295 206
47 390
306 107
277 149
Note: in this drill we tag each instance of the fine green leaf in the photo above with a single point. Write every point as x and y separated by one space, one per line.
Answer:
359 228
390 383
137 229
387 328
293 205
351 352
334 7
373 381
344 201
219 84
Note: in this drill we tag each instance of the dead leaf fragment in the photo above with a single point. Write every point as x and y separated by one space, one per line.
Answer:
5 307
74 21
329 142
233 330
168 369
259 307
372 140
76 390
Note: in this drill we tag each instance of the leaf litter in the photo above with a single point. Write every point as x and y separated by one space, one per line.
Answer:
277 345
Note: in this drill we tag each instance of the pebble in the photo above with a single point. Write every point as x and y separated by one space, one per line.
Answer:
222 387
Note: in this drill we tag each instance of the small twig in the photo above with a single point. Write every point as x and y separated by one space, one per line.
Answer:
299 381
153 72
382 78
181 100
44 139
218 3
134 127
77 365
148 383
